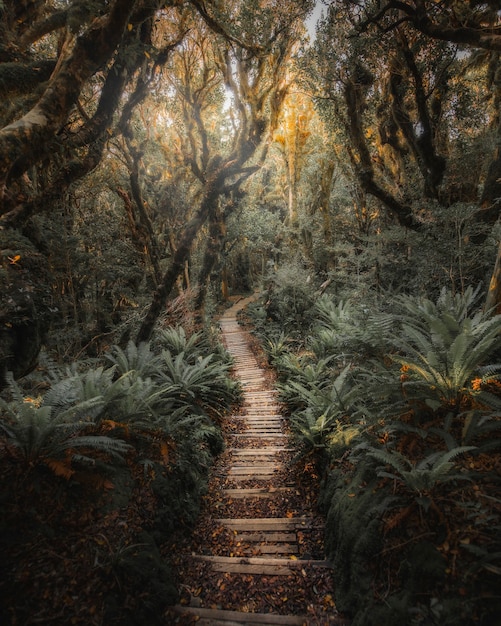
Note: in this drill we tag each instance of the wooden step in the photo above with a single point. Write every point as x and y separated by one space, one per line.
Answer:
272 548
256 451
256 460
257 467
262 537
216 617
274 456
253 435
264 427
265 415
270 523
264 492
257 471
258 566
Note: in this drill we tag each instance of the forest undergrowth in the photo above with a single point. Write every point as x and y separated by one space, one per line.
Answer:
100 464
395 414
398 408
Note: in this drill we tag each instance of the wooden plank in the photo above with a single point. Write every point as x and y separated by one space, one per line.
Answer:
265 426
273 548
267 523
266 415
246 477
252 457
256 461
250 412
246 471
258 436
269 536
264 429
262 403
205 621
272 432
267 420
237 479
259 564
260 419
251 464
239 618
255 493
262 423
256 471
257 570
252 451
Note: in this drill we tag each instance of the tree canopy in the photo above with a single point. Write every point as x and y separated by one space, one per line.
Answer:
166 124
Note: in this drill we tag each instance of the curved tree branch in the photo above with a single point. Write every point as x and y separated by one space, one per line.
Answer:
40 124
473 33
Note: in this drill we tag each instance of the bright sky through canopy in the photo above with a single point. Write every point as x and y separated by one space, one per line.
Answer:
311 22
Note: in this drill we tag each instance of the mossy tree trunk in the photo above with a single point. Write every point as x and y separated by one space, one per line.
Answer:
214 189
213 249
63 136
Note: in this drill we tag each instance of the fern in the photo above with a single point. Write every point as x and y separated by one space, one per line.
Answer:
324 408
138 359
276 347
478 428
38 435
443 347
349 331
424 475
176 341
204 384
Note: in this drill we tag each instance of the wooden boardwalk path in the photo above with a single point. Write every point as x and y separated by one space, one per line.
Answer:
258 560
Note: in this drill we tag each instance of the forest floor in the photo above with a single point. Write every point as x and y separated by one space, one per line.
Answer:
256 554
74 554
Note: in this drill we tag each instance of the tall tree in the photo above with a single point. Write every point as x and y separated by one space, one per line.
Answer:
291 137
401 98
245 51
70 74
475 27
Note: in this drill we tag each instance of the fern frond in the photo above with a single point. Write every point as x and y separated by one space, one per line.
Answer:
395 459
100 443
134 358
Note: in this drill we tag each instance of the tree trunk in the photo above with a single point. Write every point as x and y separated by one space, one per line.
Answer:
362 161
217 233
490 203
214 188
169 279
27 139
493 300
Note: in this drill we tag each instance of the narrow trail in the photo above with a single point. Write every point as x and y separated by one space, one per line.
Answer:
256 557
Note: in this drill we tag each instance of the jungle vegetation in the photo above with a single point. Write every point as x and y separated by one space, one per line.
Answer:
342 157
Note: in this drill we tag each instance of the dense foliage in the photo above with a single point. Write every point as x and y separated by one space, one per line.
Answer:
399 408
113 455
